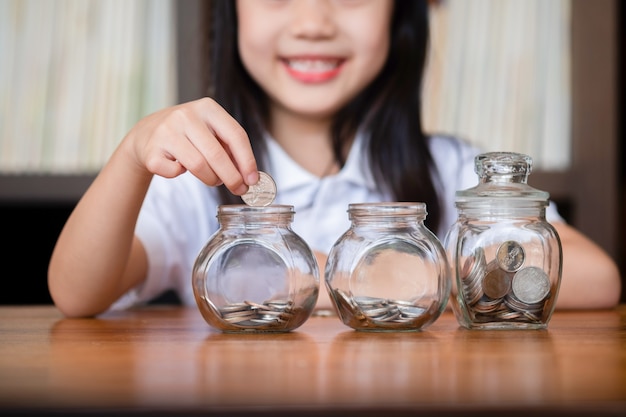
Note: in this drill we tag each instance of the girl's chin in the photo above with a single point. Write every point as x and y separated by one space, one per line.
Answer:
311 111
318 103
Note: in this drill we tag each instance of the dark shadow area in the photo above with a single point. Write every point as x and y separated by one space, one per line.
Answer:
29 231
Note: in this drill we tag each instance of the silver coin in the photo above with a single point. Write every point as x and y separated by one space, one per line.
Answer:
262 193
476 268
251 314
510 256
531 285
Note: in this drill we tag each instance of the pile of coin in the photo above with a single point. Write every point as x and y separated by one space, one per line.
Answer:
262 193
502 289
373 312
270 315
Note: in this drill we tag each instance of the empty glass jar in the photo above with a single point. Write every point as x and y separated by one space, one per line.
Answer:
256 273
388 272
506 258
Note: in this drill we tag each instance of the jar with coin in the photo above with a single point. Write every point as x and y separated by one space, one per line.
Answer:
255 274
506 259
388 272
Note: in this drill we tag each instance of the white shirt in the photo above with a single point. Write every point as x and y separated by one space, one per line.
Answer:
178 215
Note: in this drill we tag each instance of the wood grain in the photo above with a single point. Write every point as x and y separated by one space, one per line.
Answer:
168 360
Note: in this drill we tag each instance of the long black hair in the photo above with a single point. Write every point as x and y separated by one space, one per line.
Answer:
389 109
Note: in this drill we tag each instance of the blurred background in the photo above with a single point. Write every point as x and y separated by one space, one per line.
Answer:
541 77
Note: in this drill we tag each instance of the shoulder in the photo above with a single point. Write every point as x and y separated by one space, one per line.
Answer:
453 160
444 147
453 166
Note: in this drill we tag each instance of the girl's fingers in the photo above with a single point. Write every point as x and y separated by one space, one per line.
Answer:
188 157
210 154
234 139
204 155
202 138
168 168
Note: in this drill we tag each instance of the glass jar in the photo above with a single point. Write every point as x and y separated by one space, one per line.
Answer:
256 274
388 272
505 257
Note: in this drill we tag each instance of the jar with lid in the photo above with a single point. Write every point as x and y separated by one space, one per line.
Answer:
255 274
506 259
388 271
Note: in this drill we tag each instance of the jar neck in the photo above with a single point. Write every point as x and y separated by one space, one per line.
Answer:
506 178
269 216
502 208
397 213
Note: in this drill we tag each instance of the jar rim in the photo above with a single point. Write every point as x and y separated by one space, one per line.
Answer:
388 208
244 208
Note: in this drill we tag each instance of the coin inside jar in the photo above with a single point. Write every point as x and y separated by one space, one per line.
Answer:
262 193
510 256
497 283
531 285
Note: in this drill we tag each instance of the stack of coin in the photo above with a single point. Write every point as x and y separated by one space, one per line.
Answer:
269 315
262 193
374 312
504 290
474 269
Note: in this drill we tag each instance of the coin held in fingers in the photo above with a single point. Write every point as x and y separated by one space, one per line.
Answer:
262 193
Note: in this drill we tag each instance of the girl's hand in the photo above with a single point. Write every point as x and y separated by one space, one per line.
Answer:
198 136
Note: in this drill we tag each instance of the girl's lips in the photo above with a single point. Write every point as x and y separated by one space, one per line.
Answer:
313 69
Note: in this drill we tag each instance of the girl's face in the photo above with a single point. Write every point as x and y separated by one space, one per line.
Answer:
313 56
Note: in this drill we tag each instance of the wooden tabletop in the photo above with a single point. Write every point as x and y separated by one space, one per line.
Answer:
166 360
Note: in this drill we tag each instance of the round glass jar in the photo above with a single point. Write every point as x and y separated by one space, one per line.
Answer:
256 274
388 272
505 257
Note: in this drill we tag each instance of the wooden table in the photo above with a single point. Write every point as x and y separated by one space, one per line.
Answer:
165 360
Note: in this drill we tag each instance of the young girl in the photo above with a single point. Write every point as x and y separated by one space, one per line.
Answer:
324 95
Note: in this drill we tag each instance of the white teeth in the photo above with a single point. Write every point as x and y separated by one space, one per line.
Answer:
312 65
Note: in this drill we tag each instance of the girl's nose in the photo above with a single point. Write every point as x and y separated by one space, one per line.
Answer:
312 19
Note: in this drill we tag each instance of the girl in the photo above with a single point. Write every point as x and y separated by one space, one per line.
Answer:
322 94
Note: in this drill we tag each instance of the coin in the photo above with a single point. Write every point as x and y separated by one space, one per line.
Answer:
473 271
262 193
510 256
531 285
260 316
496 284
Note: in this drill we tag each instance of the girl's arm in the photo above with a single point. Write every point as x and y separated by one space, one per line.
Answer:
591 279
97 257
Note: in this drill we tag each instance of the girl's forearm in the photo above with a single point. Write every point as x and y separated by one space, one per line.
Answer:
91 265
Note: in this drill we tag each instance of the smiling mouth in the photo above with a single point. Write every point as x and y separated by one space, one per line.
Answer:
313 65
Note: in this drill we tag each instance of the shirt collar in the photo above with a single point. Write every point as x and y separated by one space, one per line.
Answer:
289 175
